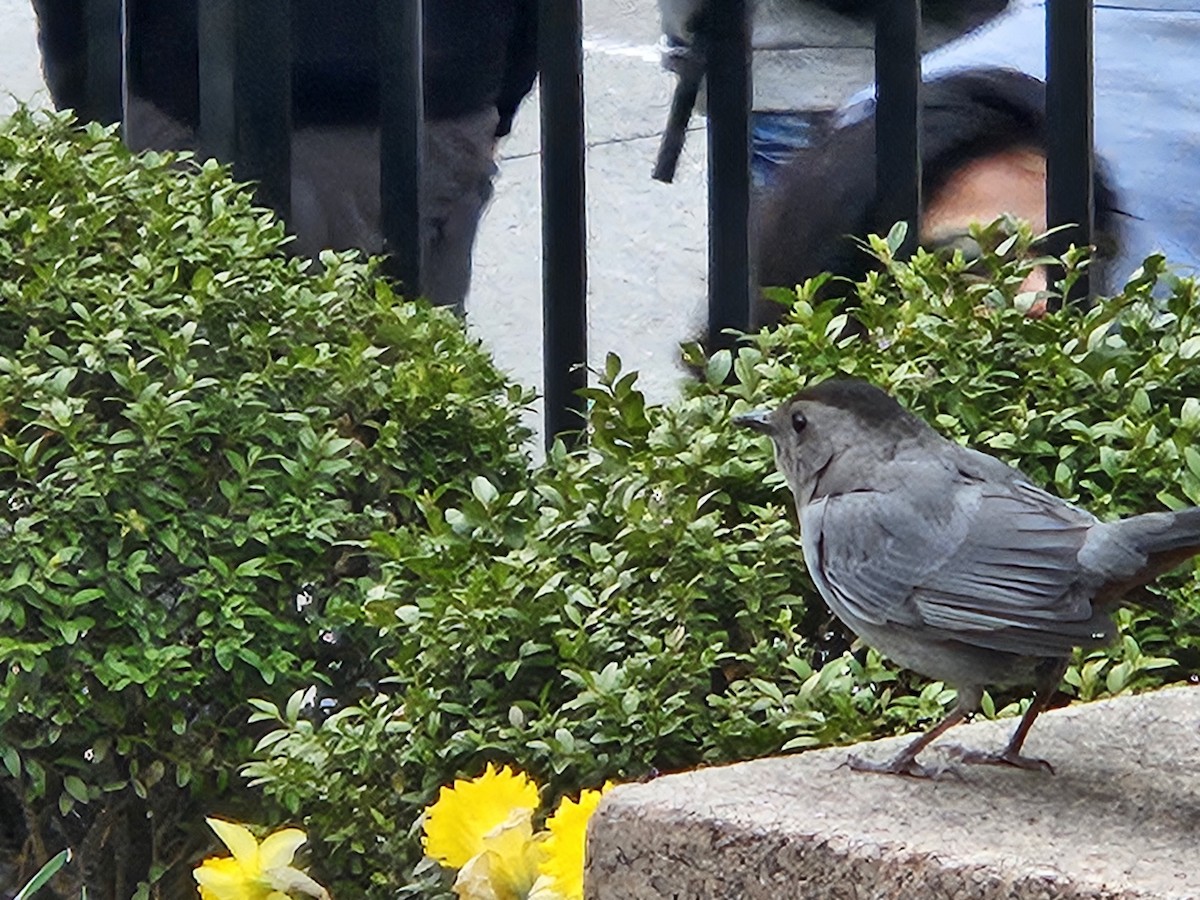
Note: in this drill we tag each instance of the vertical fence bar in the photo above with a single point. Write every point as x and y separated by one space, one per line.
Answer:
564 227
401 138
898 115
1069 160
104 23
216 36
263 99
729 97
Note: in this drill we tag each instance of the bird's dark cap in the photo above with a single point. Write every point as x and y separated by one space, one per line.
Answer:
870 405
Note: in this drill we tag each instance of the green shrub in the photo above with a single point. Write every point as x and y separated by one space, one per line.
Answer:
197 439
643 606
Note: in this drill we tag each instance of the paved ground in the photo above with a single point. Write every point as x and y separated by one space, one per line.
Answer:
647 250
20 73
1118 820
647 241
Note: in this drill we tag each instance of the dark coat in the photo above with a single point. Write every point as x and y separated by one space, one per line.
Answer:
476 53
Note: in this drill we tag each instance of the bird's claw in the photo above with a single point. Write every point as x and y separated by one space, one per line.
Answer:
898 765
1003 758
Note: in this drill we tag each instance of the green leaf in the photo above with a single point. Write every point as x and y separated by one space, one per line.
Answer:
1189 348
74 786
292 713
11 760
249 568
987 706
718 367
1118 677
612 367
44 875
1190 412
485 492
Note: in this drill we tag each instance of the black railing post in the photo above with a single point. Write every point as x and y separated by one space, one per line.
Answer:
216 35
898 115
401 138
564 229
104 21
262 87
1069 160
729 99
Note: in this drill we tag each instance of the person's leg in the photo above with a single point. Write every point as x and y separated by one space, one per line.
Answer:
774 138
335 190
62 38
457 185
336 203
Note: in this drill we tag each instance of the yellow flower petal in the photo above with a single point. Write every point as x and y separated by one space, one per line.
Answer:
239 840
567 843
256 872
474 879
514 854
507 867
222 879
294 883
456 824
278 849
543 889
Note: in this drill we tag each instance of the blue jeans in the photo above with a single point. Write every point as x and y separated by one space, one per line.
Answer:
774 136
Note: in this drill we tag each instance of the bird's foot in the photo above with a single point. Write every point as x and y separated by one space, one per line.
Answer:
902 764
1006 757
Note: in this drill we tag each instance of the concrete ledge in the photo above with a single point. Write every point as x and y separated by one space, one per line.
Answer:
1120 819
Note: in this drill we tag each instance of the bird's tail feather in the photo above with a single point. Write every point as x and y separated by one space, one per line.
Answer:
1167 539
1164 532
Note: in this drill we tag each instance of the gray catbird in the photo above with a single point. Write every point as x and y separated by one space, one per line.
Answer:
950 562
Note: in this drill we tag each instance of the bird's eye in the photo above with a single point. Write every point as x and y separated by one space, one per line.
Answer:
798 421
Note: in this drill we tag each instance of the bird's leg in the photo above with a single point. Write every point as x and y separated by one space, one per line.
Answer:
1011 755
905 762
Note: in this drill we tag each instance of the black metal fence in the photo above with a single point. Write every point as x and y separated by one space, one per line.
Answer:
244 77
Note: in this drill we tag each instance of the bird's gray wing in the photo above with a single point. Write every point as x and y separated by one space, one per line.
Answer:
865 569
975 559
1015 580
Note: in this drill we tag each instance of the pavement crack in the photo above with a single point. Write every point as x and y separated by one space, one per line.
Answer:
606 142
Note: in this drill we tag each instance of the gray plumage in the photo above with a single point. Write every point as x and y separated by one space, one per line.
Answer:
947 560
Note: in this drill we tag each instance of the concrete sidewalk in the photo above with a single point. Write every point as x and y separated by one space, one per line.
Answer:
20 64
1119 820
647 241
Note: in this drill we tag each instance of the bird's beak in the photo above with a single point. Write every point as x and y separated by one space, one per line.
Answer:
759 420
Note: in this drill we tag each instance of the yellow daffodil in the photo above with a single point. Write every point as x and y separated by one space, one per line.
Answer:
456 824
543 889
484 828
566 845
507 866
255 871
